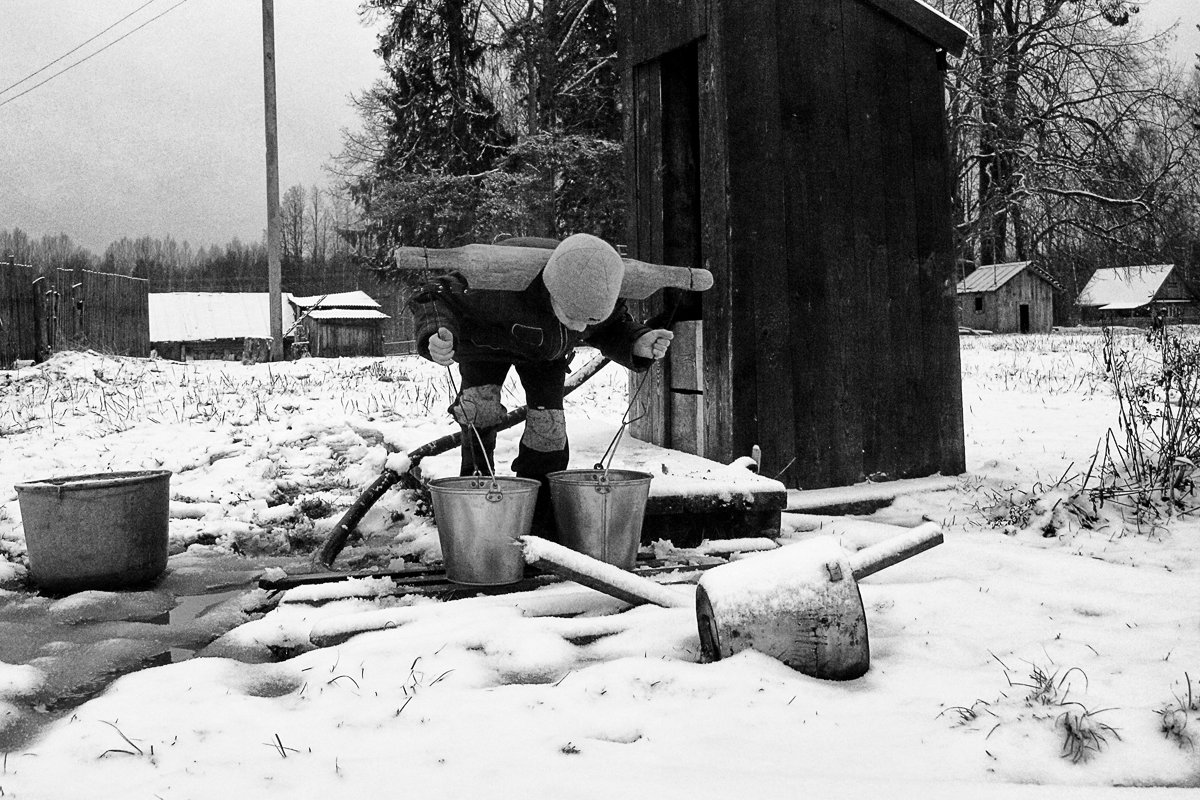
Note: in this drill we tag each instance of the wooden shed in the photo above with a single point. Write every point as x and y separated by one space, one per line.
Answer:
1008 298
339 324
798 150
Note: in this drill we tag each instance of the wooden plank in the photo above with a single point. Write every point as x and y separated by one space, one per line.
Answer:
818 169
8 327
852 499
652 423
660 26
687 388
681 243
865 283
899 317
940 393
762 347
717 310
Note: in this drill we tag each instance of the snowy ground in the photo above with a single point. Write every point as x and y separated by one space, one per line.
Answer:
1005 663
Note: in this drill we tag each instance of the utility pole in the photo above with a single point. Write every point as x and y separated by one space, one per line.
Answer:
273 270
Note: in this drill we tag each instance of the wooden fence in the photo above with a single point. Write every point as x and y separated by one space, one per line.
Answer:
398 328
100 311
20 329
47 310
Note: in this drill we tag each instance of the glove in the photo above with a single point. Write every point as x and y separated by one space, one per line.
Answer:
441 347
653 344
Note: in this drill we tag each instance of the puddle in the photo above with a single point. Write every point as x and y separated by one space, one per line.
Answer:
189 608
82 643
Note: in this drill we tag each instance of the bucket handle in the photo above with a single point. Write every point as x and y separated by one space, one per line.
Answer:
494 493
610 452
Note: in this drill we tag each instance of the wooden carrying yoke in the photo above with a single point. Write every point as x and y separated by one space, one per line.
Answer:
495 266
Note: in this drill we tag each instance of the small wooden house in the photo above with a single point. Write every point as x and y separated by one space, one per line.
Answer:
212 325
798 150
1133 293
339 324
1008 298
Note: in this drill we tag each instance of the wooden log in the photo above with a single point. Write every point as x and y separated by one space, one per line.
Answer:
595 574
891 551
489 266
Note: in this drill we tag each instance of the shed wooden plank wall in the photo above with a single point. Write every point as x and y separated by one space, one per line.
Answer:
19 315
830 334
335 339
1002 308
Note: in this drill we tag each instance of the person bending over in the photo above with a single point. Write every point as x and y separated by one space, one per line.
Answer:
573 300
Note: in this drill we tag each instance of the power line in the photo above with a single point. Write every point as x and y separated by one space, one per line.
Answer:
77 47
92 55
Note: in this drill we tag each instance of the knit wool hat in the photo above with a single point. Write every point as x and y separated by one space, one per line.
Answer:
584 276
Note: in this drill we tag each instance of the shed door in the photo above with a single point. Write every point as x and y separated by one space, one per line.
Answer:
1024 321
667 109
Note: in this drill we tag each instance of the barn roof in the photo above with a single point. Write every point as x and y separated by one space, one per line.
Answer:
355 299
927 22
1115 288
993 276
202 316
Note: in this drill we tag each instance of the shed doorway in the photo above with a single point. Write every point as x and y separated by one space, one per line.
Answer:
1024 322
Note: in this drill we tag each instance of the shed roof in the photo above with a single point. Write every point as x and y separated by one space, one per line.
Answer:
347 313
354 299
1115 288
203 316
927 22
991 277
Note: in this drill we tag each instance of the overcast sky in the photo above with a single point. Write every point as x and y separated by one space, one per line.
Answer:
162 134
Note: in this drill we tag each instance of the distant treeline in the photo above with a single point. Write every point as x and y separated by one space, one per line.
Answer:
314 256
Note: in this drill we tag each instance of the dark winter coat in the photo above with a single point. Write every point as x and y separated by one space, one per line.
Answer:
515 326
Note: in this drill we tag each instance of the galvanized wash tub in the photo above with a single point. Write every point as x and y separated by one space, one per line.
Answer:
103 531
600 512
479 520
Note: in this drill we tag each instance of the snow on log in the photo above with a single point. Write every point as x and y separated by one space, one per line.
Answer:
488 266
813 500
596 574
896 549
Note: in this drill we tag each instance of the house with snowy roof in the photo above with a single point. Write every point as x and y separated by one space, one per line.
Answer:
1017 297
1139 292
212 325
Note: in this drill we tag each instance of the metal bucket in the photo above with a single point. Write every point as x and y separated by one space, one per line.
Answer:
600 512
478 521
105 531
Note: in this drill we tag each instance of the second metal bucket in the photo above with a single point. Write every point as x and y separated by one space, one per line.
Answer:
599 512
105 531
479 520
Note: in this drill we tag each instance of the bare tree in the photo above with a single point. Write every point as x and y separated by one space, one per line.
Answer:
318 229
291 225
1066 122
